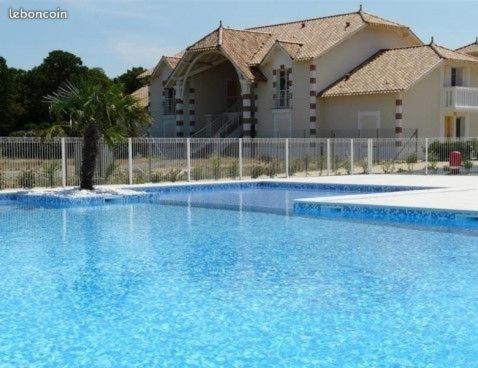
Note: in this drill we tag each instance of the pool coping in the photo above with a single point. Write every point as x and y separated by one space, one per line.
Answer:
377 205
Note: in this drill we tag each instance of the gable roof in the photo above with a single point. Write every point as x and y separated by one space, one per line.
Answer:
238 45
471 48
393 70
301 40
318 35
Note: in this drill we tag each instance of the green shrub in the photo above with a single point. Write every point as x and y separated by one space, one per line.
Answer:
257 171
442 149
216 167
467 164
233 169
157 176
273 167
50 170
411 158
27 179
362 164
295 166
197 172
173 175
139 177
388 166
322 161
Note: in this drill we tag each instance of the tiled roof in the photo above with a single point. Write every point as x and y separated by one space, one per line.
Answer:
302 39
142 94
453 55
318 35
238 45
392 70
145 74
472 48
172 61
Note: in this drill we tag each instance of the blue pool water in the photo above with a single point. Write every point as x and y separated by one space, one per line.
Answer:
154 285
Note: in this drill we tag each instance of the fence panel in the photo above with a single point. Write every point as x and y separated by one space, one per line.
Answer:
307 157
214 158
264 157
340 156
159 160
29 162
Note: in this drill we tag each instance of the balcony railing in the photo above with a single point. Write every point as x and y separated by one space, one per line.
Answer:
169 106
464 98
283 100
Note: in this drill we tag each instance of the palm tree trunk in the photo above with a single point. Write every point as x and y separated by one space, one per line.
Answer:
91 139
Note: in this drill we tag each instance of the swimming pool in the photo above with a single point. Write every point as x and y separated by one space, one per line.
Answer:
149 284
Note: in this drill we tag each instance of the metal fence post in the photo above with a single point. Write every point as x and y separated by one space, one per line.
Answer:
188 154
370 156
329 162
287 157
351 156
130 161
426 156
240 158
63 162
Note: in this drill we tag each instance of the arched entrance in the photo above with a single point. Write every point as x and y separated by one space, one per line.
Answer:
209 93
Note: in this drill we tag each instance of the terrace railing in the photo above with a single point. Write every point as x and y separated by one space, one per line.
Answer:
33 162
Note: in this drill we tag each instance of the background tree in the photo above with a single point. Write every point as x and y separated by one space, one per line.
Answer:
10 107
23 111
130 79
96 111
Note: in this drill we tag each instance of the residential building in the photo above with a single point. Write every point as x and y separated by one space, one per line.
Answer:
353 74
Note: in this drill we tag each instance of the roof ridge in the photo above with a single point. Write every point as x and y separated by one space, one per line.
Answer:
379 17
293 42
360 13
246 30
470 44
301 20
203 38
406 47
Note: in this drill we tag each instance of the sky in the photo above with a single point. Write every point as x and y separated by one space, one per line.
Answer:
118 34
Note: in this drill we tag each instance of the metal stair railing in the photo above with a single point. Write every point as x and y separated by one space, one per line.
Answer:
216 123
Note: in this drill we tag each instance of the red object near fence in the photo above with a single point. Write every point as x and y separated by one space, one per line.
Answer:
455 162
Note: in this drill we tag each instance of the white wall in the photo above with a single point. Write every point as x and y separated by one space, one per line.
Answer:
421 105
156 107
341 113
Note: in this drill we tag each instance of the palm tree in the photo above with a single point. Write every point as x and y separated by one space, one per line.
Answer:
94 112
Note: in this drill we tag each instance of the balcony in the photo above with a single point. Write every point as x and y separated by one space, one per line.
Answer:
283 100
169 106
460 98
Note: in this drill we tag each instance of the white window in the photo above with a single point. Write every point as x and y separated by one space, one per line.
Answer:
283 97
456 77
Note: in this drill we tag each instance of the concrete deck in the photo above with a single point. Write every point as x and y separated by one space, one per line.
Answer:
455 193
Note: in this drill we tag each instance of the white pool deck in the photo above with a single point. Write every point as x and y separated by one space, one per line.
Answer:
456 193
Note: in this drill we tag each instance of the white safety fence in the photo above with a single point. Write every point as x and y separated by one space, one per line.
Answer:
33 162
